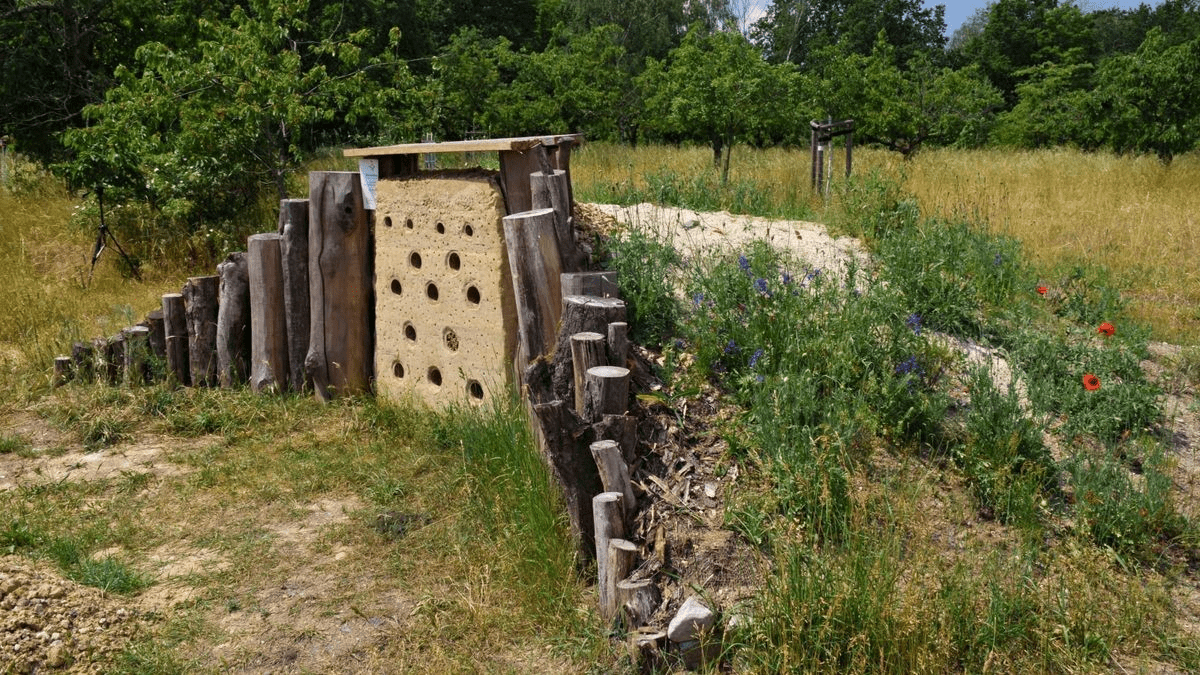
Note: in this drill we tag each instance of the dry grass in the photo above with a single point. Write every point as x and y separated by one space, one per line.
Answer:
1131 215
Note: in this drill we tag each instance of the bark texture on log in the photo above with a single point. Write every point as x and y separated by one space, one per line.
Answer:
340 286
137 355
269 358
175 327
609 524
233 321
293 225
580 314
587 351
158 335
200 297
614 473
552 191
114 358
595 284
618 343
533 260
622 555
84 357
64 370
515 168
565 451
636 602
606 392
619 428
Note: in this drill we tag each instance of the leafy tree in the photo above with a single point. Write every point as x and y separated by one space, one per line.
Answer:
796 31
196 132
715 87
905 109
1053 105
1149 101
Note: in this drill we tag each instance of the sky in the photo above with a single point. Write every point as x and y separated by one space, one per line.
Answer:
957 11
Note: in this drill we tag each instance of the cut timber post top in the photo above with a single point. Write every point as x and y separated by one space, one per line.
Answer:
519 144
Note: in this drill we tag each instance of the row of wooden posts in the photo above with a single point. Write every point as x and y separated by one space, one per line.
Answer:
292 312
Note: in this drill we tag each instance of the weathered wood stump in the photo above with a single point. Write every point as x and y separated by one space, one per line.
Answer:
622 555
618 343
587 351
608 524
176 332
564 449
636 602
340 286
64 370
606 392
533 260
580 314
614 473
269 357
84 357
595 284
137 355
233 321
158 342
553 191
293 225
201 296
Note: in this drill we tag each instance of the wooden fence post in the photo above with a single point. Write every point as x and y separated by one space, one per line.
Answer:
293 225
200 296
175 329
233 321
534 261
268 350
340 285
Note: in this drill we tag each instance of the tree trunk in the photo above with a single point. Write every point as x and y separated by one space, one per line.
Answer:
340 285
596 284
553 192
587 350
565 451
293 225
606 392
269 357
580 314
609 519
233 321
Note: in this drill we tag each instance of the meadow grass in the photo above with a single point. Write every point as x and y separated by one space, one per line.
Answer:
1131 219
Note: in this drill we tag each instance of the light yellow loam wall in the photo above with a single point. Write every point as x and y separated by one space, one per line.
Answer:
445 318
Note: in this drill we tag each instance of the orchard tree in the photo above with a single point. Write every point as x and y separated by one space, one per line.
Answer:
1053 108
797 31
714 87
1149 101
197 132
904 109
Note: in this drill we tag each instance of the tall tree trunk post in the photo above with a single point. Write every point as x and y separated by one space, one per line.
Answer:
268 350
200 296
293 225
233 321
175 327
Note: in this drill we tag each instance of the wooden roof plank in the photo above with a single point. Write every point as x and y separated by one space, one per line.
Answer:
482 145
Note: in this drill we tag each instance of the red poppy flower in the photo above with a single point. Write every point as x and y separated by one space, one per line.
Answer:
1091 382
1106 329
1042 290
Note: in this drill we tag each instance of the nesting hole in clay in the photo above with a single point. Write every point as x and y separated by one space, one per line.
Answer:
451 339
408 223
396 288
410 332
468 230
435 376
431 291
441 228
414 259
453 261
473 295
387 221
398 369
475 390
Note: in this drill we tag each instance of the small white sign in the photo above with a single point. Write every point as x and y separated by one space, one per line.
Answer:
368 171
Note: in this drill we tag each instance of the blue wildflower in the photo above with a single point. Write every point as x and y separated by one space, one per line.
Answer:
680 344
914 322
761 286
755 357
698 299
759 379
997 260
787 279
909 365
744 264
731 347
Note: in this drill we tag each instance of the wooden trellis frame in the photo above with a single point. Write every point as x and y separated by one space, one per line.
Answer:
822 137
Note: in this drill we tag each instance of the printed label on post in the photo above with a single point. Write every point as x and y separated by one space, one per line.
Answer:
368 171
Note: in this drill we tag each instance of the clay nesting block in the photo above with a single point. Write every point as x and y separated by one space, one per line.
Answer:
445 318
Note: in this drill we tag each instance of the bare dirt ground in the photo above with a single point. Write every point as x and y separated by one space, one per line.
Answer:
310 617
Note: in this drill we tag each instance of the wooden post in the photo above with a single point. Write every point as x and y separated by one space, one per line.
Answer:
175 327
84 356
621 555
233 321
636 602
552 191
606 392
580 314
587 351
533 260
293 225
158 341
340 285
200 296
619 428
614 474
515 168
595 284
63 367
268 331
618 343
114 359
137 355
565 451
609 519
